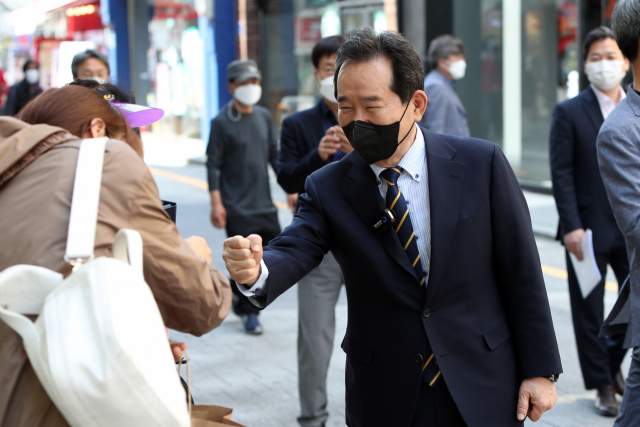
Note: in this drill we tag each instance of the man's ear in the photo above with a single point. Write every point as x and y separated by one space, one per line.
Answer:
419 101
230 87
316 75
97 128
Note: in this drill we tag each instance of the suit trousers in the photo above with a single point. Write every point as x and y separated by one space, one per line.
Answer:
600 358
630 408
317 297
267 227
435 407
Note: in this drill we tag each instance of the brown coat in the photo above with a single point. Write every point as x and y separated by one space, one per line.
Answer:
37 167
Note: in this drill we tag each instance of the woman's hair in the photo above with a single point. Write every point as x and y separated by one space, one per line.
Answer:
106 88
73 107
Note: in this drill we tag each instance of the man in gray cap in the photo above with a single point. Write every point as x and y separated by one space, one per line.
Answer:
241 145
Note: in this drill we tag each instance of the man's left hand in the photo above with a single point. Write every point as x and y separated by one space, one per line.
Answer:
345 145
177 348
537 395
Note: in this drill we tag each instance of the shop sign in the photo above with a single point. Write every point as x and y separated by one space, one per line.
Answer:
81 10
310 29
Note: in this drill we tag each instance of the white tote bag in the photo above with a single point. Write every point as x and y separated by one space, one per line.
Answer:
99 346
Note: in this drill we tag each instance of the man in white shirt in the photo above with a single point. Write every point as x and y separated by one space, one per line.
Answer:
582 203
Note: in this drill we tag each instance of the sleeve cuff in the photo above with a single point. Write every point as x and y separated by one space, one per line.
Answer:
259 288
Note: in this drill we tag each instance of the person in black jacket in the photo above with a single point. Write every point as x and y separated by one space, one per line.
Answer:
309 140
21 93
582 204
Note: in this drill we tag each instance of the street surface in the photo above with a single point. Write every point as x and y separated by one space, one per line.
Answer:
257 376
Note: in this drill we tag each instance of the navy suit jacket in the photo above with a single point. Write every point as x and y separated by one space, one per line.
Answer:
485 309
299 139
580 194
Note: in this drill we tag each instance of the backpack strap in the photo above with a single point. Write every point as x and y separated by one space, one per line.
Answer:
84 201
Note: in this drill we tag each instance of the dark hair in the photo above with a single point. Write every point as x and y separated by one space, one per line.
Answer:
72 107
595 35
443 47
106 88
625 23
325 47
79 58
27 63
366 45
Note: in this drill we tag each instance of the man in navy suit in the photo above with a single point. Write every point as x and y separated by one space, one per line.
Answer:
310 140
449 322
582 204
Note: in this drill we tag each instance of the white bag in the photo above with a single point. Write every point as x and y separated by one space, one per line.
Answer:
99 346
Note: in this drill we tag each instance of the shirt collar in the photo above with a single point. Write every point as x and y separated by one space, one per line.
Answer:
604 99
413 160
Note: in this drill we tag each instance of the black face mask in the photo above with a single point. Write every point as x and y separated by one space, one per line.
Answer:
374 142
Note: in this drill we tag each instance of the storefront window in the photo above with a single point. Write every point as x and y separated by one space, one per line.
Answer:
292 89
176 64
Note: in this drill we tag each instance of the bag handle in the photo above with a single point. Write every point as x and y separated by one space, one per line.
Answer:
84 202
186 356
127 247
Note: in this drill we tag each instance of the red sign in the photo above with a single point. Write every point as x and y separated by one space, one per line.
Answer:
309 29
83 18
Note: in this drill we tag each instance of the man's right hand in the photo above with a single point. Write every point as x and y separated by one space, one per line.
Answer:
242 257
572 242
329 144
218 215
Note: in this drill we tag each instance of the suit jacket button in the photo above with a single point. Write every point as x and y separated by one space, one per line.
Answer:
419 358
426 313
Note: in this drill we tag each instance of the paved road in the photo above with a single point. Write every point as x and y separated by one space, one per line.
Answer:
257 376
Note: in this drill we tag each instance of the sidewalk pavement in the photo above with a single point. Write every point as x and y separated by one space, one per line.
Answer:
257 376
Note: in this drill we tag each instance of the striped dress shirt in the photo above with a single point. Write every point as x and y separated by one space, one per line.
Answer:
414 185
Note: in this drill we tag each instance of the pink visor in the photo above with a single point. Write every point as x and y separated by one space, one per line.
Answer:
138 115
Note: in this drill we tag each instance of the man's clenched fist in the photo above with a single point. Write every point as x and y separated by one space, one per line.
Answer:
242 257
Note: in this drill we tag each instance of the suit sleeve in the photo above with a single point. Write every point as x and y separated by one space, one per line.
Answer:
300 247
519 275
293 165
10 105
273 145
437 110
561 158
619 161
215 155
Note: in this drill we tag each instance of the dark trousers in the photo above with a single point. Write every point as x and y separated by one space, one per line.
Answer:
436 408
600 358
267 227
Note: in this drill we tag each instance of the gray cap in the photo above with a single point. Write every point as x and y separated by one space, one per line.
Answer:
240 71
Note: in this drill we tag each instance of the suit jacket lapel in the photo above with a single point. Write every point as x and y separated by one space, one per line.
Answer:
445 191
361 190
592 106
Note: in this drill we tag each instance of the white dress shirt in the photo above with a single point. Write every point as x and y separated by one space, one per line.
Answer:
414 185
607 104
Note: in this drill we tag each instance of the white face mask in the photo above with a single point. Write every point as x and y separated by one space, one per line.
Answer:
248 94
605 74
32 76
457 69
328 90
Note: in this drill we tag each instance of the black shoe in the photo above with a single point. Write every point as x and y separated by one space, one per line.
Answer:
619 383
606 402
251 324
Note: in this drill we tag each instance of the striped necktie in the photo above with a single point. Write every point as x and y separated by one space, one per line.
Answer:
396 203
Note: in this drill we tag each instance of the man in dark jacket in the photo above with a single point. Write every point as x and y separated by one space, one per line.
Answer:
309 140
582 203
449 322
21 93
